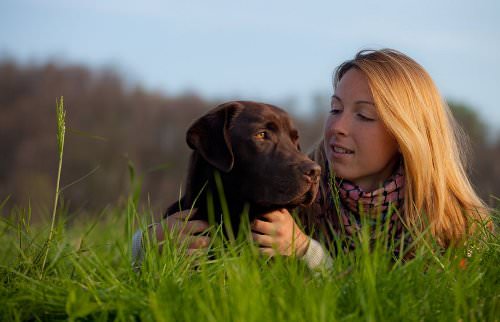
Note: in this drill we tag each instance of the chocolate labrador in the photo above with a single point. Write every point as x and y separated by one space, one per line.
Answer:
246 160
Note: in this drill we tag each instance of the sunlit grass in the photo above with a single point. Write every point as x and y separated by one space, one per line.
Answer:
89 275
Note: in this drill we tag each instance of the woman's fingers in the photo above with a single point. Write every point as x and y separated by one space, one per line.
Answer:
184 214
180 222
196 252
268 251
263 240
264 227
193 242
279 234
275 215
199 242
187 232
194 227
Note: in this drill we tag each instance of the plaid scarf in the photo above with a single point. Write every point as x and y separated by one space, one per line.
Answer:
358 207
342 208
355 202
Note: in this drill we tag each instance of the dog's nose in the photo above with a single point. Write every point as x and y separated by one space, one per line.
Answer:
311 169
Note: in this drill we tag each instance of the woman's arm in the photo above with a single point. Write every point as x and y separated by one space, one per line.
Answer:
177 225
281 235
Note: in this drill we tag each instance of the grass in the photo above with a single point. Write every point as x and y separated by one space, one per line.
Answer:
61 131
88 276
85 273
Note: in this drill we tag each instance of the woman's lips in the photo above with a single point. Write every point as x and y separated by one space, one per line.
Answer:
340 150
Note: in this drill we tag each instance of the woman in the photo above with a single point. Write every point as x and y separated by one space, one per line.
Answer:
390 141
390 146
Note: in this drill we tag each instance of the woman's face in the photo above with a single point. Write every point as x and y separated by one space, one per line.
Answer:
358 146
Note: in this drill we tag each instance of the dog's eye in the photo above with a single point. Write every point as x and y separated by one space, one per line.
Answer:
261 135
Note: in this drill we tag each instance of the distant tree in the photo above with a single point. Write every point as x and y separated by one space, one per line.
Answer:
108 127
483 166
470 121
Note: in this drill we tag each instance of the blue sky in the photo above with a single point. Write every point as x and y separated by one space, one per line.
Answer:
274 51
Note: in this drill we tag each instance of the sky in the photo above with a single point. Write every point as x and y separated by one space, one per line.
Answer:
273 51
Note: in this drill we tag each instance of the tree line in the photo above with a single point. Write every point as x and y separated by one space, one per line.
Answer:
115 129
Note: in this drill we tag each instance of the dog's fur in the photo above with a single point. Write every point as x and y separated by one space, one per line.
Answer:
259 172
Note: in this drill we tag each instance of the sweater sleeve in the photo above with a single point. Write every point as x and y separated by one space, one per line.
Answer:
137 250
316 257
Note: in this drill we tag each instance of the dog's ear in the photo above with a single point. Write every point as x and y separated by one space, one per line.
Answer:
209 135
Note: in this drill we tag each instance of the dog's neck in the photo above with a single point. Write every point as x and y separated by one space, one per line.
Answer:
203 192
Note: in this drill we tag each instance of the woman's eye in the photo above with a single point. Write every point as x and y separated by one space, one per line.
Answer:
365 118
335 110
261 135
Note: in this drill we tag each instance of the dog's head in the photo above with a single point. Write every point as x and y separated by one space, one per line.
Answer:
255 146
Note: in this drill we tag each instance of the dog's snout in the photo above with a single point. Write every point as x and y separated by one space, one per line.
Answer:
311 169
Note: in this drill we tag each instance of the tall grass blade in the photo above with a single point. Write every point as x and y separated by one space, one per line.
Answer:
61 131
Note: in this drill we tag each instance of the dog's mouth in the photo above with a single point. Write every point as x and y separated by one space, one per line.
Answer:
304 199
310 195
301 191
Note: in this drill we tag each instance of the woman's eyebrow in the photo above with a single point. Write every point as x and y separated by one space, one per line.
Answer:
336 97
365 102
357 102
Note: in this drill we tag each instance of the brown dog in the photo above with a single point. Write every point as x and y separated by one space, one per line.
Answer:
253 148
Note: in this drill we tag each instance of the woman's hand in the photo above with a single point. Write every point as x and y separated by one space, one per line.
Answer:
279 235
184 231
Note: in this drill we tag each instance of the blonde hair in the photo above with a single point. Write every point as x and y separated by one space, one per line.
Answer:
438 194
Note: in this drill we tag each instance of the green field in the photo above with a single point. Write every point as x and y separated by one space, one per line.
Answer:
88 276
74 268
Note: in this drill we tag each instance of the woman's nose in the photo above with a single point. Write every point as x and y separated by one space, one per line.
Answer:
340 124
